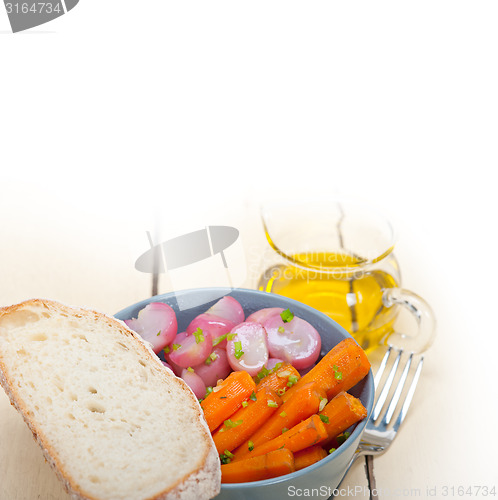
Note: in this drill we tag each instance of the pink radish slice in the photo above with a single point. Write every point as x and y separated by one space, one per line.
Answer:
156 323
262 314
195 383
217 369
295 341
190 350
228 308
270 364
248 349
214 325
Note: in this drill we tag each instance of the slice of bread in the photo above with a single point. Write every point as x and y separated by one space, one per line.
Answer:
111 420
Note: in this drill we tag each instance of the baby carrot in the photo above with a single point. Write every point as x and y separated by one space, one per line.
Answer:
339 370
280 379
309 456
303 403
307 433
340 413
273 464
246 420
227 397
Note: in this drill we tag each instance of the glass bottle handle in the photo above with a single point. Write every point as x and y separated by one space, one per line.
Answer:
424 317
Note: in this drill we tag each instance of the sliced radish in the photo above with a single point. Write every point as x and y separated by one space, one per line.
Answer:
156 323
195 383
215 367
216 326
295 341
270 364
177 369
190 350
228 308
262 314
248 349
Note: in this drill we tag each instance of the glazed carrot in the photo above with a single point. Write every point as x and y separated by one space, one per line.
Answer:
227 397
307 433
309 456
273 464
304 403
246 420
278 380
340 413
339 370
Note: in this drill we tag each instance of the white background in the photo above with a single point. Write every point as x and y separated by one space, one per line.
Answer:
196 111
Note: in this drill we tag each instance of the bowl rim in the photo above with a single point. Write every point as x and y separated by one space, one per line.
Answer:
359 427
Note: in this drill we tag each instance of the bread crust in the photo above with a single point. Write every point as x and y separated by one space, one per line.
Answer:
202 483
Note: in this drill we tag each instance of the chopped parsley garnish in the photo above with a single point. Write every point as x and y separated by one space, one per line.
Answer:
324 419
176 347
262 373
292 380
245 404
332 450
283 414
281 392
231 336
252 397
219 339
167 350
337 373
226 457
158 333
277 366
209 390
284 430
281 329
286 316
342 437
199 337
238 349
323 403
190 369
250 445
272 404
230 424
210 358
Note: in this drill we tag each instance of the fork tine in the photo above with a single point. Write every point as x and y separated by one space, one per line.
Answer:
397 392
409 396
382 367
387 386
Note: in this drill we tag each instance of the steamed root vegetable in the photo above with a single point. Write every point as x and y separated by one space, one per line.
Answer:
245 421
214 368
292 339
307 433
304 403
262 314
273 464
194 382
280 378
190 350
214 325
340 413
339 370
247 348
229 309
156 323
309 456
226 398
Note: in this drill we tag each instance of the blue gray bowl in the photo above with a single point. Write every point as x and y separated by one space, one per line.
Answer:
325 475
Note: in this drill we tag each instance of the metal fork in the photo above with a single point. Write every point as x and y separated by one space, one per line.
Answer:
378 434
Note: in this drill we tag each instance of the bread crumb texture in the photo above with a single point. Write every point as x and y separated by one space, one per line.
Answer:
115 423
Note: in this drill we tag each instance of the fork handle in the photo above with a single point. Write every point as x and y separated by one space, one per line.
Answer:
424 317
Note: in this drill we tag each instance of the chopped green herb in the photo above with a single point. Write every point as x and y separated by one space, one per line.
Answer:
252 397
342 437
292 380
283 414
245 404
337 373
226 457
219 339
230 424
209 390
323 403
167 350
231 336
284 430
324 419
211 358
284 374
158 333
272 404
250 445
286 316
262 373
281 392
277 367
238 349
190 369
199 337
281 329
176 347
332 450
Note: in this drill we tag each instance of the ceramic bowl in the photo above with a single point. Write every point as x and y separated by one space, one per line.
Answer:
322 477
